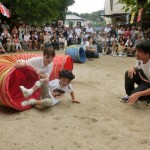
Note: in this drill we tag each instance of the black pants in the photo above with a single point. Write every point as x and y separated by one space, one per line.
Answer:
90 54
141 85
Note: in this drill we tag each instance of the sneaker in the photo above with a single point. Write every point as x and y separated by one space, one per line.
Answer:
26 92
29 102
124 99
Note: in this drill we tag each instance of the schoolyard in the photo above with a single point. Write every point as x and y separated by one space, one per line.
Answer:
100 122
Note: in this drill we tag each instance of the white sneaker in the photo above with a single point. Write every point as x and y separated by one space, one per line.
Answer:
29 102
26 92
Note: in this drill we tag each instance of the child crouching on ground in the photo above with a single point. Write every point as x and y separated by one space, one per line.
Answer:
52 91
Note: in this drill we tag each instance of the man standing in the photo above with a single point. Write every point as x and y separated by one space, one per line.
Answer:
78 34
140 74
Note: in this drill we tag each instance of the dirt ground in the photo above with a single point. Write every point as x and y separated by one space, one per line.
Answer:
100 122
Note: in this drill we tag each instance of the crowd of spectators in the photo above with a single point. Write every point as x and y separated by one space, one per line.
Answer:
117 41
121 40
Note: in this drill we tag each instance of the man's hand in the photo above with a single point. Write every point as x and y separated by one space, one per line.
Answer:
20 64
133 98
131 72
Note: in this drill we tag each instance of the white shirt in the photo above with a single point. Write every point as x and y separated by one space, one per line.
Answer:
78 31
144 67
47 29
87 44
56 91
120 31
89 30
26 38
106 30
62 40
37 64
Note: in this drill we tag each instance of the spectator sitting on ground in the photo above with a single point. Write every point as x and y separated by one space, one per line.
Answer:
127 33
26 40
105 44
10 45
114 48
41 41
89 50
140 32
129 46
4 37
2 50
47 38
55 41
16 42
14 30
5 26
33 42
121 48
61 41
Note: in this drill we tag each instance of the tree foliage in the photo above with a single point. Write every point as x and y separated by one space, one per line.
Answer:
95 17
37 11
135 5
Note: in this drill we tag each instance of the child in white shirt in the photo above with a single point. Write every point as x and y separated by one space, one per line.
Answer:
52 91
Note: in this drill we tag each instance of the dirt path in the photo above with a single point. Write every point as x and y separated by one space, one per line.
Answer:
100 122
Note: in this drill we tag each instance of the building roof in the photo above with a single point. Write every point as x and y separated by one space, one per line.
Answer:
74 17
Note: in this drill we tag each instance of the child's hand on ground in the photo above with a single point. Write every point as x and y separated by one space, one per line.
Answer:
75 101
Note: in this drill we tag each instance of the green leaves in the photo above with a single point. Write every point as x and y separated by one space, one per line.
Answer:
37 11
135 5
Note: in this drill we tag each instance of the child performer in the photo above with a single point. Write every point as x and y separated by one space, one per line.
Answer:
51 93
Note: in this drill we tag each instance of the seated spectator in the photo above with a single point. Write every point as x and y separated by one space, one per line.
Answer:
129 46
127 33
2 50
26 40
89 50
70 34
114 48
55 41
5 26
48 29
47 39
140 32
121 48
61 41
33 43
16 42
14 30
10 45
83 43
105 45
36 35
41 40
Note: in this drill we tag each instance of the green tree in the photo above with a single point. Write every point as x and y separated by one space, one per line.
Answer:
135 5
95 17
37 11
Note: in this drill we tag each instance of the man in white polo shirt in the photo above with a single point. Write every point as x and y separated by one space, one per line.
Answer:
43 65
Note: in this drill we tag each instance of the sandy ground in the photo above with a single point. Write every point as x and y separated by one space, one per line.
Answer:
100 122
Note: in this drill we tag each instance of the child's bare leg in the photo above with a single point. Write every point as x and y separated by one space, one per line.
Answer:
27 92
46 102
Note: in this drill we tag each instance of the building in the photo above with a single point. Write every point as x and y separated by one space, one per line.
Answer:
114 13
73 20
